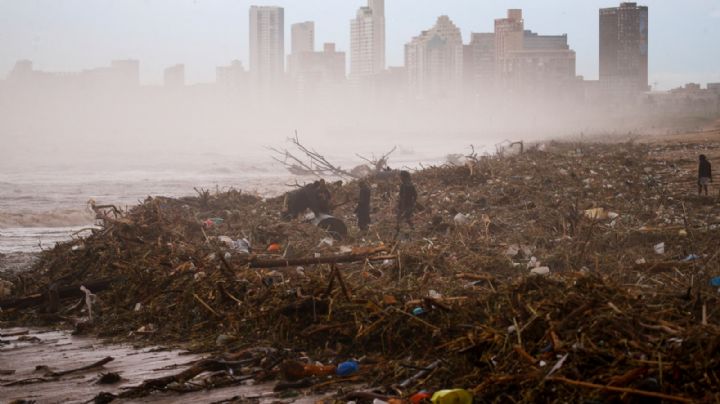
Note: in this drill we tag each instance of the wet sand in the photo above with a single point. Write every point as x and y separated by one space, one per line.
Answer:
58 350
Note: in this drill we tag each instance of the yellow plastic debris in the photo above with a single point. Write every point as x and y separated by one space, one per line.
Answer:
454 396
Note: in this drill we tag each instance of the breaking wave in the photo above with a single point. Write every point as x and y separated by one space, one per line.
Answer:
53 218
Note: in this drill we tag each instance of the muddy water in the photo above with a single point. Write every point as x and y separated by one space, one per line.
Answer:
59 351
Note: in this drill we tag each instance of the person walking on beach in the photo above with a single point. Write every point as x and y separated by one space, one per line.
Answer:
407 201
704 175
363 208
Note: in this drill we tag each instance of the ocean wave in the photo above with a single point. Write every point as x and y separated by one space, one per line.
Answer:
54 218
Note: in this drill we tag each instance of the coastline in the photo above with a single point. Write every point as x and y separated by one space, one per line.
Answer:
666 159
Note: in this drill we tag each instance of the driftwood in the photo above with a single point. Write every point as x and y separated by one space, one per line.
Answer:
52 376
422 373
257 262
62 293
315 165
624 390
150 385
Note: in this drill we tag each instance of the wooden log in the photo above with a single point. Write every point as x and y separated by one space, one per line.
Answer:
624 390
256 262
62 293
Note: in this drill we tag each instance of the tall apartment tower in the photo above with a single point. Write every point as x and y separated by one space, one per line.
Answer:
267 44
303 37
367 40
624 47
434 61
508 35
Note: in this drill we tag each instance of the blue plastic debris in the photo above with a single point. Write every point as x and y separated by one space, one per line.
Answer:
691 257
347 368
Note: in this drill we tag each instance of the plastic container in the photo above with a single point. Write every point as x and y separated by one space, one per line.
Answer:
454 396
420 396
347 368
293 370
332 225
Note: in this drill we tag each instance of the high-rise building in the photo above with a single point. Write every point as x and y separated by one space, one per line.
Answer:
479 63
303 41
232 77
267 45
367 40
174 76
508 36
434 61
378 9
318 73
624 47
303 37
528 63
544 65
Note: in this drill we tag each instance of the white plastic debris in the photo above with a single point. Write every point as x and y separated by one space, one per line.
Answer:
90 298
327 241
541 271
434 294
242 245
138 306
512 250
640 261
557 366
227 240
461 219
659 248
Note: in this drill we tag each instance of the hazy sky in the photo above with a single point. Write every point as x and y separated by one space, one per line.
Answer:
69 35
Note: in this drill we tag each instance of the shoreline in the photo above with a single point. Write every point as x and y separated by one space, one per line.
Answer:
586 259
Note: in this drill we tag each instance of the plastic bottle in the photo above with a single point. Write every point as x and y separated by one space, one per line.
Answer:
454 396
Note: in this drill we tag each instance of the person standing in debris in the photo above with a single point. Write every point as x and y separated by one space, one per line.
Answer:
704 175
323 198
315 196
363 208
407 200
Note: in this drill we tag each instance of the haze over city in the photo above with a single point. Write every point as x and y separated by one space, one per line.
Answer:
359 201
72 35
163 79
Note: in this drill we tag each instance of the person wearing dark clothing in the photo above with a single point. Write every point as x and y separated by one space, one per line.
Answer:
315 196
363 208
704 175
407 200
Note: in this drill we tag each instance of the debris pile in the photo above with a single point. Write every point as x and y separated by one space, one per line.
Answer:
534 277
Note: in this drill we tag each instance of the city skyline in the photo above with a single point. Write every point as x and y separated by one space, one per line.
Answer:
666 55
